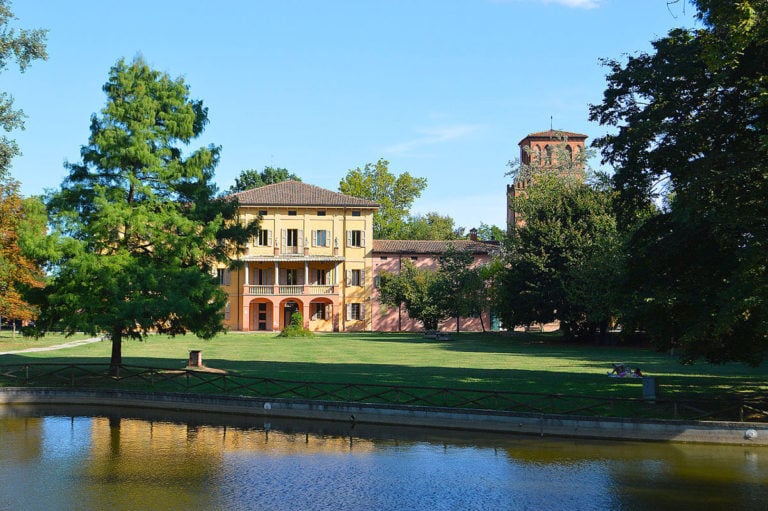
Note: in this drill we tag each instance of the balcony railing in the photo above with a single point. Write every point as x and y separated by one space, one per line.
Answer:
289 290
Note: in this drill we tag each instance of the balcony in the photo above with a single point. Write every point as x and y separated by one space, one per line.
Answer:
281 290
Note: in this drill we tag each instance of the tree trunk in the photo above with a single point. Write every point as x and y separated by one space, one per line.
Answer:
458 322
482 323
117 351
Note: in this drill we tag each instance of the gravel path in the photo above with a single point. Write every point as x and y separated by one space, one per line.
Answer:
54 347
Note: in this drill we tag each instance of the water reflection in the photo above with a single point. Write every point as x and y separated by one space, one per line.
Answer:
83 458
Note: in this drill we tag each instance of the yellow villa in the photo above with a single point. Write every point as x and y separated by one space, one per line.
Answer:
312 255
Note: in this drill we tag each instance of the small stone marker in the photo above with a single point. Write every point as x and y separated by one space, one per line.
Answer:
195 358
650 388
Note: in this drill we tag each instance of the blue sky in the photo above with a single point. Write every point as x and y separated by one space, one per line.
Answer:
443 89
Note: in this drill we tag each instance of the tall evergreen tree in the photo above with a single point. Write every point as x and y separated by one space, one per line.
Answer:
142 230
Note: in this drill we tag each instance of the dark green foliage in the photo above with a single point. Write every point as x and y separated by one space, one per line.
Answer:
430 296
430 226
564 261
141 229
691 120
251 178
296 327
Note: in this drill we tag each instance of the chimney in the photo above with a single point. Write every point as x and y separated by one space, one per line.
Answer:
473 234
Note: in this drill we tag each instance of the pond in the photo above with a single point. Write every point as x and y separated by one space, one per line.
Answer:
84 458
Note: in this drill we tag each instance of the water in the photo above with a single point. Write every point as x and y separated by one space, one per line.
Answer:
54 458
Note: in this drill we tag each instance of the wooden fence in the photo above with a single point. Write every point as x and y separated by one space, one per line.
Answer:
203 382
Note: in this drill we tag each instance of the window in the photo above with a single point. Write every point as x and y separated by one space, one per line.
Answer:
292 277
320 277
355 238
292 237
263 212
320 238
321 212
291 212
355 311
320 311
263 239
223 274
383 258
377 281
262 277
356 212
414 258
356 278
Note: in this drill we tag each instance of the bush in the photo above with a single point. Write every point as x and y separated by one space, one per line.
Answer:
296 328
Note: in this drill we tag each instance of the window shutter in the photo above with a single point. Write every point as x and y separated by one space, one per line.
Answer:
269 237
349 311
256 240
349 238
226 277
349 277
362 238
327 311
362 278
314 238
362 311
284 234
300 241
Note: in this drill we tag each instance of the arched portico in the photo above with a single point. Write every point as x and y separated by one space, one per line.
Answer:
287 307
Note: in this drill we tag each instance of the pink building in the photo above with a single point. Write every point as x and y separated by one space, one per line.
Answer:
389 256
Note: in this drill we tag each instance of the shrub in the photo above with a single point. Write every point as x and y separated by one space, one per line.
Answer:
296 327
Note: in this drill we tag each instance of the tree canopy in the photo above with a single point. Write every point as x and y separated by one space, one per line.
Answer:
142 231
556 259
455 289
17 271
394 194
430 226
21 46
690 122
251 178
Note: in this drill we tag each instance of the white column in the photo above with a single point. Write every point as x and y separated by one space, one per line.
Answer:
277 274
306 273
247 281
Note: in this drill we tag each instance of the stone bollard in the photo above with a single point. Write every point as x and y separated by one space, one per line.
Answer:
650 388
195 358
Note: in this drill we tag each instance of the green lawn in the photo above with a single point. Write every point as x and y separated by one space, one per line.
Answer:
523 363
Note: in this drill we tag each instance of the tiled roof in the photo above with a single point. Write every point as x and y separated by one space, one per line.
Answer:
432 247
296 193
553 135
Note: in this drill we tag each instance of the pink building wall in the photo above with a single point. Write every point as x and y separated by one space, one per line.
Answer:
423 254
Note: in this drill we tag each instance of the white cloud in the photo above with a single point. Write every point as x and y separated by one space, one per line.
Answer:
432 136
576 4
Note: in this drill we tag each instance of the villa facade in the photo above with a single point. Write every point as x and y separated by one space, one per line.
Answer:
315 254
312 255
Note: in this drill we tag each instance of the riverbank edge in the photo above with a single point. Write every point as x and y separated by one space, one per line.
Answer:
568 426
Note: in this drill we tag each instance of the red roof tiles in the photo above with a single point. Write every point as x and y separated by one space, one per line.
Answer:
296 193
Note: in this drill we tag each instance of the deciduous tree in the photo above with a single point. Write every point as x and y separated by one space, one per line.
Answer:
690 122
569 230
21 46
251 178
17 271
394 194
142 230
